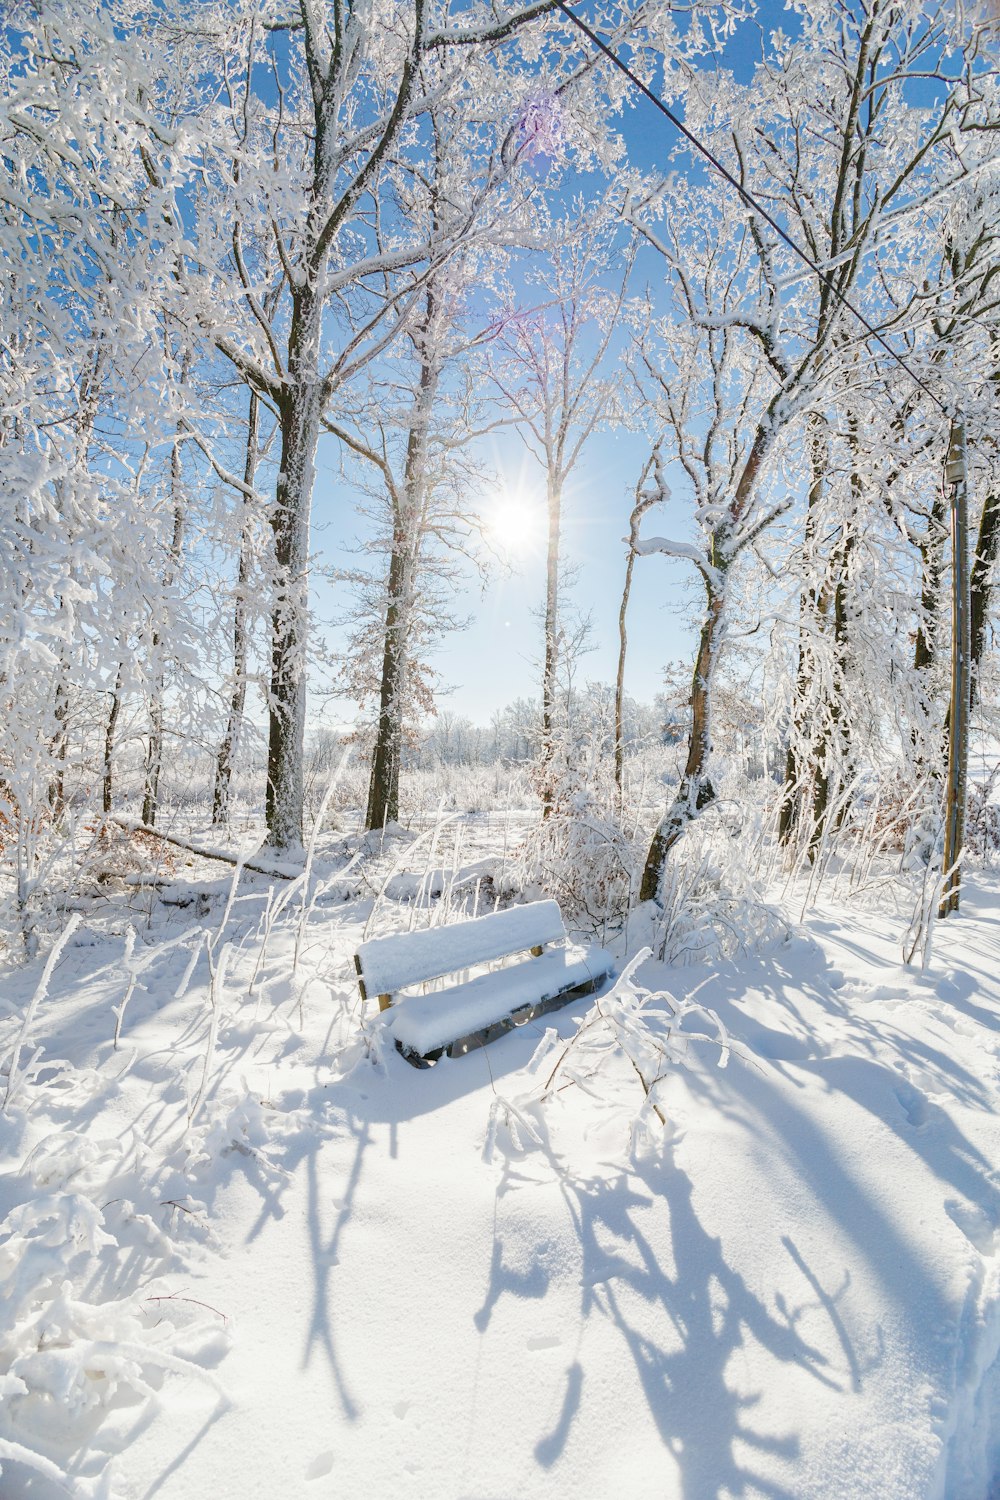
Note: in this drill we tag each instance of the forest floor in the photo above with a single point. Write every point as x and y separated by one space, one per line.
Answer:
245 1257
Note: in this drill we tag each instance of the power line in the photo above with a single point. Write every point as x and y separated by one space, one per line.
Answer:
750 201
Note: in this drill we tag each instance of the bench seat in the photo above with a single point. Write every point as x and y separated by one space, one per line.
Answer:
422 1024
388 964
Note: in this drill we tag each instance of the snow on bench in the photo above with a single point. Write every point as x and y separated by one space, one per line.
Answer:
473 1013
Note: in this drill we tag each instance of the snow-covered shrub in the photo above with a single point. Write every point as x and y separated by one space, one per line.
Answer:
67 1357
982 819
632 1025
31 838
893 811
713 905
581 853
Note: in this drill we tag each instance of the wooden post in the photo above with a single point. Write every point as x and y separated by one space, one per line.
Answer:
384 1001
958 741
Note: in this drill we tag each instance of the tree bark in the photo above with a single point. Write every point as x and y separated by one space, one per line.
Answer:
981 586
551 661
301 413
383 783
809 611
154 751
237 703
409 515
642 504
961 693
696 790
109 742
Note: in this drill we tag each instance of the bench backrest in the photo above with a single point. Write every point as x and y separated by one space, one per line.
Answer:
387 964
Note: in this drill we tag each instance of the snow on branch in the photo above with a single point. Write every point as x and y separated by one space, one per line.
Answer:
749 533
648 546
640 1026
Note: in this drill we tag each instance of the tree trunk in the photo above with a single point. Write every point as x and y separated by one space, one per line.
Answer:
832 754
551 662
409 517
809 610
109 742
981 587
931 548
620 679
90 387
301 412
383 785
227 749
696 790
961 693
60 740
830 746
642 504
154 751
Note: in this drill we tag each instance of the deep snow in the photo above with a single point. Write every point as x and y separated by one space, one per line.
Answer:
317 1286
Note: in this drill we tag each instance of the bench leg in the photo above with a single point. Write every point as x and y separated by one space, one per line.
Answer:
417 1059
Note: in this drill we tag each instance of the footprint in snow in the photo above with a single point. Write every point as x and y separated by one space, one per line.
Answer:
321 1465
401 1408
976 1225
914 1105
543 1341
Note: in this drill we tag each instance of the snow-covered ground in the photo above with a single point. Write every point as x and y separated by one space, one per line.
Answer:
243 1258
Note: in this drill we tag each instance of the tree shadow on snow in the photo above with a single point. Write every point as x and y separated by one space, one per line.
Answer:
682 1317
903 1081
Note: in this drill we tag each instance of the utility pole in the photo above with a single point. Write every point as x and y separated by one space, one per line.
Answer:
956 472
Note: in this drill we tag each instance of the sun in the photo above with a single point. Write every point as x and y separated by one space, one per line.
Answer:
515 523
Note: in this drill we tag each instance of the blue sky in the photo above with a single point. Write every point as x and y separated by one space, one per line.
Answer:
495 658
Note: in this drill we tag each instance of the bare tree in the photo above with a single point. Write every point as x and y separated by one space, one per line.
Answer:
550 372
645 498
847 160
706 381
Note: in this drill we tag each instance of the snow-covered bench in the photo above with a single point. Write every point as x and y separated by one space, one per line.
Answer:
476 1011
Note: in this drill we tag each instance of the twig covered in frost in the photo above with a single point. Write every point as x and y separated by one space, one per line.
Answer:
214 941
190 966
307 897
118 1011
41 990
272 911
217 969
62 1351
640 1025
920 933
406 851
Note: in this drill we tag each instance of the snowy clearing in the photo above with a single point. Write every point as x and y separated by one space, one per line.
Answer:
241 1257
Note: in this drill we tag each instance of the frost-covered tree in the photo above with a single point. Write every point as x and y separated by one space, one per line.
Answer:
708 385
552 372
837 138
257 159
415 431
84 400
339 99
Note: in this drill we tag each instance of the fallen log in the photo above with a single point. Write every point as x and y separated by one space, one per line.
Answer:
259 867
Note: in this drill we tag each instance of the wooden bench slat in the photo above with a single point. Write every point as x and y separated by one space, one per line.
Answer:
388 964
423 1023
